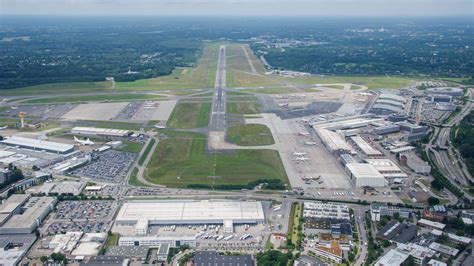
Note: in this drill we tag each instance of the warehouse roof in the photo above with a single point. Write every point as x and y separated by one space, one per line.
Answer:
365 147
363 170
13 202
189 211
333 140
384 165
38 144
393 257
393 97
204 258
34 209
100 131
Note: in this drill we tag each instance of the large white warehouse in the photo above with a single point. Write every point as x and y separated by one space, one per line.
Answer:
38 145
94 131
190 212
364 174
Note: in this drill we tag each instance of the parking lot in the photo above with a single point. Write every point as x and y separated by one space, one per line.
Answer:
105 191
110 166
80 210
61 227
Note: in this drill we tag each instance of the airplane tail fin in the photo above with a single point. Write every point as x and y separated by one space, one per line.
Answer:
75 138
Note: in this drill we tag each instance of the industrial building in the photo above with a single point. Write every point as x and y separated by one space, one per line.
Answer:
105 132
321 210
386 129
22 214
440 98
397 232
347 158
364 174
378 210
365 147
334 142
38 145
206 258
144 213
388 103
412 128
387 168
455 92
155 241
431 224
415 163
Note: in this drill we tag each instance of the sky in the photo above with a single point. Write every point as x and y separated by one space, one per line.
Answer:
314 8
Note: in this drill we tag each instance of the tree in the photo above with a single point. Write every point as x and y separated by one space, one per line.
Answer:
43 259
433 201
437 184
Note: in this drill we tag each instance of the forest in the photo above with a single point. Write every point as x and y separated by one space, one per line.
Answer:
464 140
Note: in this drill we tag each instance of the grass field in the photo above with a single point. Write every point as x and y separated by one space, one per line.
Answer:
372 82
293 228
133 180
132 147
95 98
180 161
190 115
146 152
239 72
243 107
273 90
250 135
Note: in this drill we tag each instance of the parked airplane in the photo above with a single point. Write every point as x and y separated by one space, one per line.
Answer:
301 159
310 143
84 142
303 134
4 127
283 104
299 153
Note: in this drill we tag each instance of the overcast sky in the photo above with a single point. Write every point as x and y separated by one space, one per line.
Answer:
240 7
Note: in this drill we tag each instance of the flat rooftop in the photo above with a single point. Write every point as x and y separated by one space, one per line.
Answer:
363 170
35 207
38 144
100 131
182 212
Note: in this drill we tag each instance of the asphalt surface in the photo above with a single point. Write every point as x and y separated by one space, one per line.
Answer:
217 121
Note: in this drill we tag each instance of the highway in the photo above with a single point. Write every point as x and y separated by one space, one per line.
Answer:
217 121
447 158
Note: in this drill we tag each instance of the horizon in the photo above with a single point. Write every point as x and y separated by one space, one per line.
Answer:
240 8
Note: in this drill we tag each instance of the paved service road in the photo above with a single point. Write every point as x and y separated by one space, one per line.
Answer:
217 122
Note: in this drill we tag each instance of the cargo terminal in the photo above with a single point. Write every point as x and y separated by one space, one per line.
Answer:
144 213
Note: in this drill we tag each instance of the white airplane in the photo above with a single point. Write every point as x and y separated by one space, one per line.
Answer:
4 127
84 142
299 153
301 159
310 143
303 134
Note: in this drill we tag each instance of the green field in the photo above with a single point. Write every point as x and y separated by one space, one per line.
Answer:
241 107
181 161
95 98
372 82
190 115
132 147
146 152
250 135
133 181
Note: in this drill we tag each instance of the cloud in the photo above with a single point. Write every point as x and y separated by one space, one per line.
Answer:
240 7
